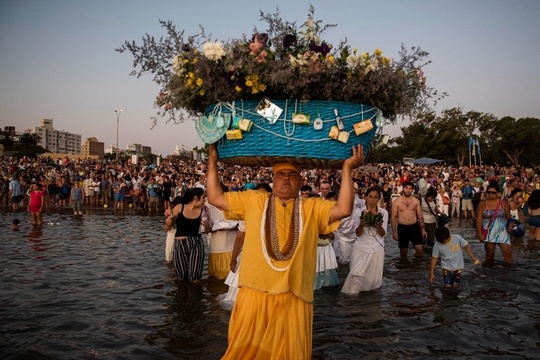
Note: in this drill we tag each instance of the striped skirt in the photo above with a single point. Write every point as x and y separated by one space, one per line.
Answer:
188 258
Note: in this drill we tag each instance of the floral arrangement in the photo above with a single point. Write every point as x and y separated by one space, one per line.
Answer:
283 62
370 218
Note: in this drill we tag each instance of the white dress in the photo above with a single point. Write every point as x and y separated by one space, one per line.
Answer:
227 300
169 244
367 260
345 236
326 265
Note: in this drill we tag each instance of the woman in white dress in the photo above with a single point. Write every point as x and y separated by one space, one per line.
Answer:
367 258
326 270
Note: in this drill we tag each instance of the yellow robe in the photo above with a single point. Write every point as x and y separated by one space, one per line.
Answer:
273 313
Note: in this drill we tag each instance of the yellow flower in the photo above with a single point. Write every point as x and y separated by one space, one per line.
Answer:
199 82
249 82
201 92
378 52
238 88
253 78
189 82
195 60
330 58
191 75
186 61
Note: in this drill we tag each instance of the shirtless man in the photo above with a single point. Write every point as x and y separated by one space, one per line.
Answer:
408 222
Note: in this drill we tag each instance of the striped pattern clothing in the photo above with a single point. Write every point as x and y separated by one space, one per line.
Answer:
188 258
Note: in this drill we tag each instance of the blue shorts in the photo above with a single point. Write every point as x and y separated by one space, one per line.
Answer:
451 278
534 220
120 196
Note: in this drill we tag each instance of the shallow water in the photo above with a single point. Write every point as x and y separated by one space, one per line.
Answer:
97 287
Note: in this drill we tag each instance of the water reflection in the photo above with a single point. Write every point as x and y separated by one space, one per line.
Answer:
97 286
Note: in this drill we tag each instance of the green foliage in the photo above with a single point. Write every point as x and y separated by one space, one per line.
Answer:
27 144
370 218
504 141
512 141
150 158
6 140
202 151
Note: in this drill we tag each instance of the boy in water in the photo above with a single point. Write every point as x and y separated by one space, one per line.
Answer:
15 224
449 249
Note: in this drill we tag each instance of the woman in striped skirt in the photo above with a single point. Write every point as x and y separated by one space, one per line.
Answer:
188 255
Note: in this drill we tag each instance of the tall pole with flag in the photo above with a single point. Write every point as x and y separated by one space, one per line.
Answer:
478 147
118 112
470 146
473 150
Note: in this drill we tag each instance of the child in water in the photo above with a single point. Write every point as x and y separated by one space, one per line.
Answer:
15 224
449 249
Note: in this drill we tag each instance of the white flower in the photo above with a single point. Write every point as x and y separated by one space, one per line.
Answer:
310 33
177 65
213 50
309 22
369 68
352 60
311 36
298 61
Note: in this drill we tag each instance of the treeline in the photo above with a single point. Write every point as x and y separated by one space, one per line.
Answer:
505 141
26 145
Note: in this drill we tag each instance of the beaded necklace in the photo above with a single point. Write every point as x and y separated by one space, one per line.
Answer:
269 234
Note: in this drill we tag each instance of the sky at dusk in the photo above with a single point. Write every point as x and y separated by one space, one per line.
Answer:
58 58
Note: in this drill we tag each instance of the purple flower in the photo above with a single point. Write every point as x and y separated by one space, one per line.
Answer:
262 38
241 81
289 40
325 49
322 49
229 77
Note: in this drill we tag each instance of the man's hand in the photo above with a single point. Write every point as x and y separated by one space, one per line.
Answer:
357 157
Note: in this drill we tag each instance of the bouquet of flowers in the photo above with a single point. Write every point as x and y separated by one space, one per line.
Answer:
283 62
370 218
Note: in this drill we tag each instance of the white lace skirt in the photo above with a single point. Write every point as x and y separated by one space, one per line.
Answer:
326 258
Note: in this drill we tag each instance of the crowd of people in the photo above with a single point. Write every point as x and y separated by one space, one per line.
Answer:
88 183
309 221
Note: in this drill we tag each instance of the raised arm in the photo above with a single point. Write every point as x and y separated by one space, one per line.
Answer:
344 205
215 193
